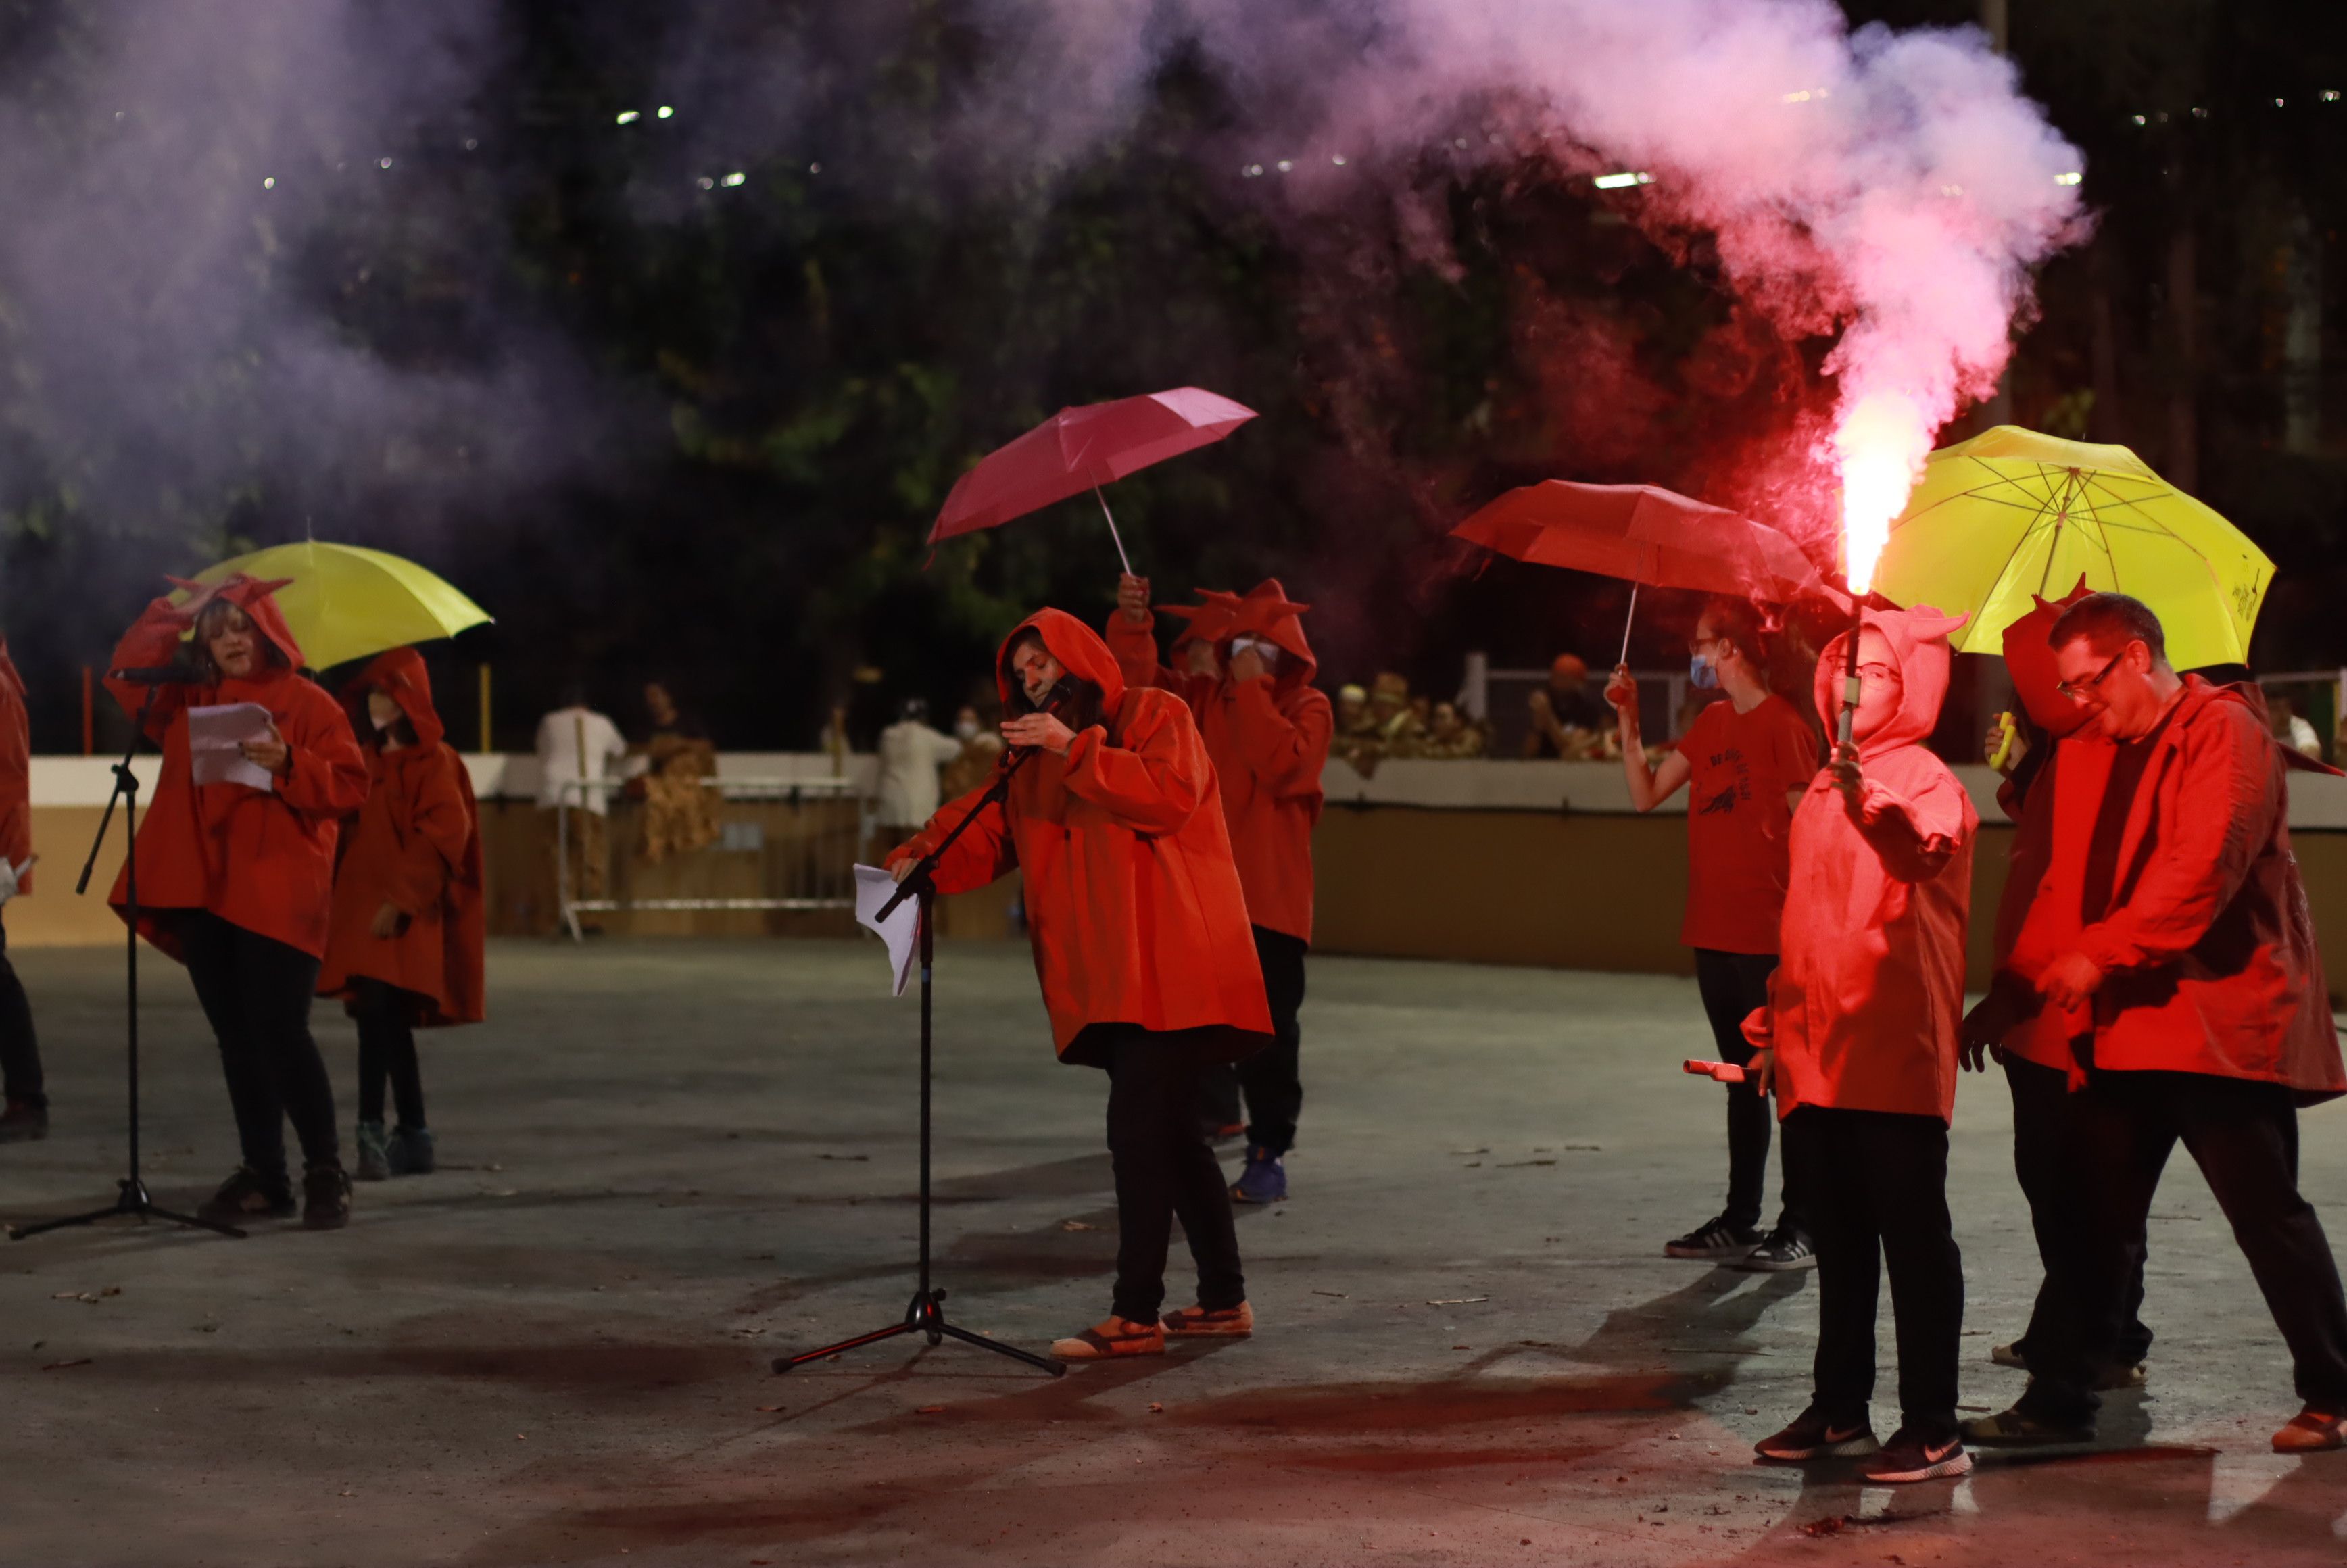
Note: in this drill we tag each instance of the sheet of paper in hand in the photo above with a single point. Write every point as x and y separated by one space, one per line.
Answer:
216 736
874 888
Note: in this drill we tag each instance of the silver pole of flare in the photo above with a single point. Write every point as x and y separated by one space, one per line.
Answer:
1852 685
1113 534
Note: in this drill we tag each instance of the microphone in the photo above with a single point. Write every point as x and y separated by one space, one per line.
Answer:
157 675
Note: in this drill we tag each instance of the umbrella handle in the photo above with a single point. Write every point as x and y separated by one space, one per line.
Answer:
1119 538
1627 622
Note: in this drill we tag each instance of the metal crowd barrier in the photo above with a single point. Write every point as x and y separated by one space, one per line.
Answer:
815 883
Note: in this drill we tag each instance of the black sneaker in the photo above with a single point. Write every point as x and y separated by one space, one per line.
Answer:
1785 1251
325 1198
2016 1429
1814 1436
1714 1238
1909 1458
23 1122
409 1151
247 1195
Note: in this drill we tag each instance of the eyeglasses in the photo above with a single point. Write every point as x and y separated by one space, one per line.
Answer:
2075 690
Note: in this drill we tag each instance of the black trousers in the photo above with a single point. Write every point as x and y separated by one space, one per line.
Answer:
385 1016
2244 1138
1165 1169
1271 1078
2045 1160
1881 1198
1731 986
20 1051
256 993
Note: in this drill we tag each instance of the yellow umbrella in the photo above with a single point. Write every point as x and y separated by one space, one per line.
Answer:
345 603
2011 513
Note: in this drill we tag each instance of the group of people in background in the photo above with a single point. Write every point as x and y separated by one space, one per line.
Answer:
344 860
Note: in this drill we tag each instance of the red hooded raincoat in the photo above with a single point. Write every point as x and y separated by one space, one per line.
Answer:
16 770
1133 905
1866 999
262 859
417 845
1269 739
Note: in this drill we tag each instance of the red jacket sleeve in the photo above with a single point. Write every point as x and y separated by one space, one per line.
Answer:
439 830
153 639
979 856
2231 794
1914 839
325 773
1136 647
1285 750
1155 780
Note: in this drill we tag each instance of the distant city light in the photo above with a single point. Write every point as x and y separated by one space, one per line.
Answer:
2072 177
382 163
1338 159
737 178
1252 170
1619 181
2331 95
2141 120
666 112
1952 191
471 142
707 183
629 117
814 168
1286 165
269 183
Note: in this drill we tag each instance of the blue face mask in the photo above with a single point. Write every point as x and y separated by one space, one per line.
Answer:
1700 673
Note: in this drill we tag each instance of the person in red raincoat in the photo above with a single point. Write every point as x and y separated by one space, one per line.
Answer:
26 1114
234 878
404 952
1248 683
1860 1045
2054 781
1745 761
1139 934
2208 1020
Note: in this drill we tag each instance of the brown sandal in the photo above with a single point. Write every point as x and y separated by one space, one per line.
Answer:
1091 1345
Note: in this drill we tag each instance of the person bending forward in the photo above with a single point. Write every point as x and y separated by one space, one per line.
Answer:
1141 942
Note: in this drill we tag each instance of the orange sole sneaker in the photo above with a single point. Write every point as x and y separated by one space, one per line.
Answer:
1197 1323
2312 1432
1091 1345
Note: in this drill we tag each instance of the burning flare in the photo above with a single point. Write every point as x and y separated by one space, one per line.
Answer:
1879 446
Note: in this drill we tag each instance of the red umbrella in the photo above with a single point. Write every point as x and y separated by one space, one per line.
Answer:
1646 535
1080 449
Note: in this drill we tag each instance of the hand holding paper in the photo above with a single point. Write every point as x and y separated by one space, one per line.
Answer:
218 737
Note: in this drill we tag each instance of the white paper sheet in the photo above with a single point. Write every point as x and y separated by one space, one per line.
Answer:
900 930
215 735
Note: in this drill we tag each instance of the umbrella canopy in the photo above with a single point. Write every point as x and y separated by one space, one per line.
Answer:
1643 534
1080 449
343 602
2011 514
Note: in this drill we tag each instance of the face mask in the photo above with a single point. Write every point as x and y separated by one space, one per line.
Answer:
1263 651
965 729
1700 673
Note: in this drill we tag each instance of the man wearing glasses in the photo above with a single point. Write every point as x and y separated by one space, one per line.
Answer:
2211 1022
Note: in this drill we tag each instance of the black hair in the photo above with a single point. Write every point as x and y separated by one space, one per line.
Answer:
1079 710
1742 628
2109 622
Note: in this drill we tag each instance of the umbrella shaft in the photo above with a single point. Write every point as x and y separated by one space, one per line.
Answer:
1122 559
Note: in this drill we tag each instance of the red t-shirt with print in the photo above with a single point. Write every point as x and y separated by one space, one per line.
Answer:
1739 823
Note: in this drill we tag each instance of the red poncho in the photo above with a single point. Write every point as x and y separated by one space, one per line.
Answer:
2209 952
1865 1002
1267 738
1133 905
16 770
262 859
415 845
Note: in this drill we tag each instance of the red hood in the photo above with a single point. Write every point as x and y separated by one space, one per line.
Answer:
401 673
10 682
1919 645
2029 660
257 598
1077 647
1267 612
1209 619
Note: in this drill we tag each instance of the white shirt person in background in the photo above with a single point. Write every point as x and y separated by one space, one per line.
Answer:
575 743
912 752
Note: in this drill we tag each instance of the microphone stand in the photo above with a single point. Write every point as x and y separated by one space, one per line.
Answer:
926 1313
132 1198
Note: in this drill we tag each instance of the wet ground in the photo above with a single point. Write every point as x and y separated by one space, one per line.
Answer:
665 1164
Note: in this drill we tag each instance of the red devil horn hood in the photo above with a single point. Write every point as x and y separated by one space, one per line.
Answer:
1077 647
2029 661
1267 612
400 674
1919 646
1210 620
257 597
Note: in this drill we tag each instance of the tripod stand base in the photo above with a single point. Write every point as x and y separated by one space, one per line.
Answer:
132 1200
926 1313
